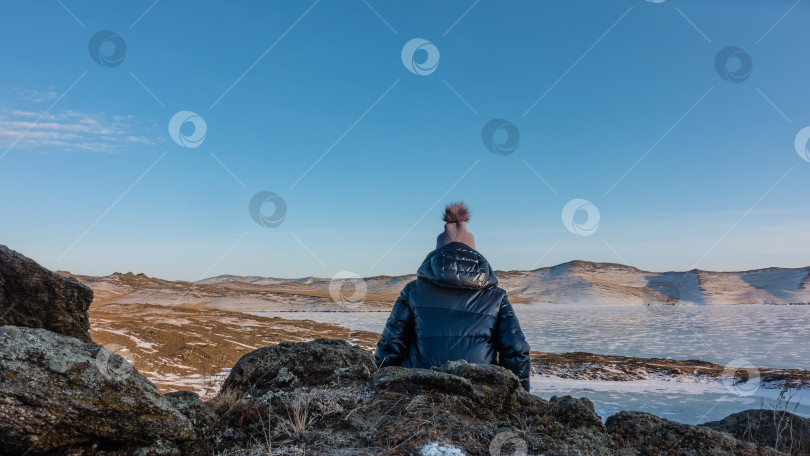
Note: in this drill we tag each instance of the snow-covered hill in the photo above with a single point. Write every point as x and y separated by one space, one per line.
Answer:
572 283
582 282
585 283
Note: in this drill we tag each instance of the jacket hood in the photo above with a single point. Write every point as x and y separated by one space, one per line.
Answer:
456 265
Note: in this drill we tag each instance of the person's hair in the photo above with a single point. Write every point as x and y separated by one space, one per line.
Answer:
456 212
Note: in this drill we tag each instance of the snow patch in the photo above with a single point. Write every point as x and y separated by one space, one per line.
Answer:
440 449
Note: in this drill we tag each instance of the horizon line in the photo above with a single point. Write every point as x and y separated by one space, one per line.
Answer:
409 274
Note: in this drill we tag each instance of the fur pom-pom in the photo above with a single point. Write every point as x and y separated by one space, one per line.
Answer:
456 212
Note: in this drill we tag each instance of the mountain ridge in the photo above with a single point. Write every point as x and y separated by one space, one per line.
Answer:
575 282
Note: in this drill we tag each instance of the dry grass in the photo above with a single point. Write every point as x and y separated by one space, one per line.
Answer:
232 408
195 345
299 416
782 420
401 424
212 377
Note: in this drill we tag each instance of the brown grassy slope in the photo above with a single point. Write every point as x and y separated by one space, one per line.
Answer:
183 348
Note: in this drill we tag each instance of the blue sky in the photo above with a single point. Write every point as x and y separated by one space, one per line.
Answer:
616 103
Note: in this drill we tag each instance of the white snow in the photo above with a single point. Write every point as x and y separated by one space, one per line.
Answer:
440 449
613 284
147 346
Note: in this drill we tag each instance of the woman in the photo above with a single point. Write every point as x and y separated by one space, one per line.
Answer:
454 310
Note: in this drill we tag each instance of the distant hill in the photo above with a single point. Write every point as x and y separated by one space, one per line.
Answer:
583 282
573 283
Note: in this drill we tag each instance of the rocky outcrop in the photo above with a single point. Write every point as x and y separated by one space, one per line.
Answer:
35 297
57 392
325 397
59 395
774 428
642 433
291 365
202 416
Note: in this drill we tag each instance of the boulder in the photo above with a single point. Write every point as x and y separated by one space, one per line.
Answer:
327 396
416 381
486 379
57 392
484 387
35 297
574 412
291 365
204 419
200 414
777 429
644 433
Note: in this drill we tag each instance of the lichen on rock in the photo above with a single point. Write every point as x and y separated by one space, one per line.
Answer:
54 394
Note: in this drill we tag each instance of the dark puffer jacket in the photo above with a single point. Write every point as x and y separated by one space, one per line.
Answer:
454 310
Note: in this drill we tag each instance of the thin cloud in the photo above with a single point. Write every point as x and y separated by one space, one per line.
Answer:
72 130
37 96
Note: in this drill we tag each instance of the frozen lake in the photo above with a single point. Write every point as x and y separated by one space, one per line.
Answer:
691 403
767 336
772 336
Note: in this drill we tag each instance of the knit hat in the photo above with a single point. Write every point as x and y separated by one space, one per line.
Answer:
456 216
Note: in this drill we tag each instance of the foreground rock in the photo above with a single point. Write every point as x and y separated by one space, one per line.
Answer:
57 392
291 365
61 396
642 433
35 297
325 397
774 428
